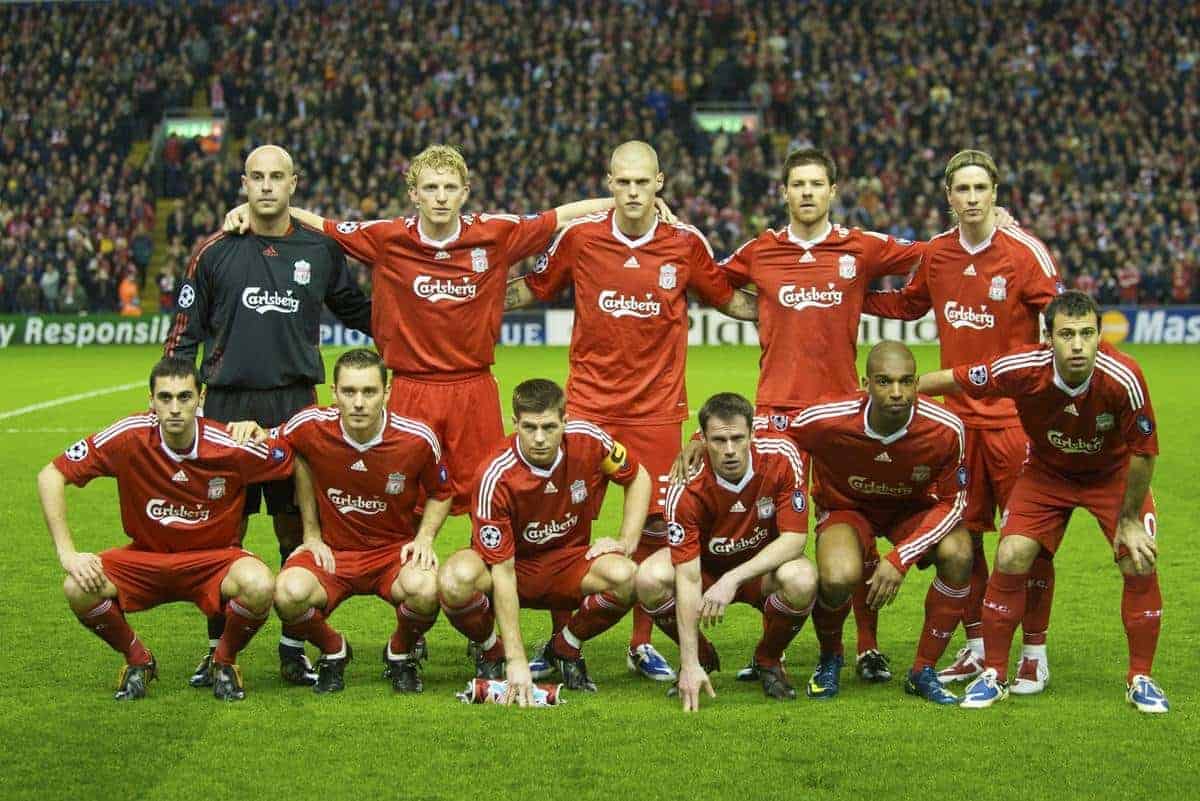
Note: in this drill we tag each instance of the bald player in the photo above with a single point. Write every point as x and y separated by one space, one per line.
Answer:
254 303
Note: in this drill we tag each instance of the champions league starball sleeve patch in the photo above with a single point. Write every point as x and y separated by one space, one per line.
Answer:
490 537
674 533
978 375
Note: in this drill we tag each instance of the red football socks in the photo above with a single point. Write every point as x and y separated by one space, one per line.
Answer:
474 619
107 621
781 623
599 612
311 627
410 625
972 613
943 610
240 626
1141 612
828 624
1039 598
1003 608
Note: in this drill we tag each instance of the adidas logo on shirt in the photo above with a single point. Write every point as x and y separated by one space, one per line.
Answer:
883 457
632 262
970 270
1070 409
180 477
738 506
550 488
807 257
359 466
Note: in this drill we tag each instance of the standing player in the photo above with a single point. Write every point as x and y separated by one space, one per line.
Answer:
737 531
887 463
1093 444
255 303
531 542
357 480
632 274
181 481
986 286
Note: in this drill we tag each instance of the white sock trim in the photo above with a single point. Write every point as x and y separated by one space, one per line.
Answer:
489 642
291 643
341 654
976 646
571 639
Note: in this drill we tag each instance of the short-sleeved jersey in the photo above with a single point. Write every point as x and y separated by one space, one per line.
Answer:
810 298
887 478
521 510
629 344
1084 433
438 304
986 300
726 524
172 501
366 491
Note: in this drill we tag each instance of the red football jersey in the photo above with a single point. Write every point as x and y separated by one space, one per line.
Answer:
887 478
810 298
986 301
521 510
172 501
366 491
437 306
629 344
1086 433
727 524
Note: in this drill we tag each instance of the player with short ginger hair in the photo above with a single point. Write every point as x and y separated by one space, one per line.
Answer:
531 542
358 473
1093 444
887 463
736 531
181 481
986 286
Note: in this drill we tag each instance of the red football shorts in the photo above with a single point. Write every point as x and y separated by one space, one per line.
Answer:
553 579
1042 501
369 572
654 447
145 579
893 530
994 460
465 416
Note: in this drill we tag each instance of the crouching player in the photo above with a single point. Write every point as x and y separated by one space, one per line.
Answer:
181 481
1092 438
358 474
531 542
887 463
736 531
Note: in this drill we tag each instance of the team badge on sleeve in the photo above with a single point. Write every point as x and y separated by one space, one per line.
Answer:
302 272
799 501
978 375
542 264
1145 425
78 452
667 276
674 533
187 296
443 474
347 227
962 475
490 537
847 267
278 454
779 422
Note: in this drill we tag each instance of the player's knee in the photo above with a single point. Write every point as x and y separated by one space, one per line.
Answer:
418 585
1016 553
797 582
74 591
654 582
293 588
256 586
456 580
619 573
839 577
955 556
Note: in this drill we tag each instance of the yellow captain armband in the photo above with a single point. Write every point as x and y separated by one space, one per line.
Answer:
616 460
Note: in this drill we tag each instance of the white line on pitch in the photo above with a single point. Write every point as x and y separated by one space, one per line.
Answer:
69 399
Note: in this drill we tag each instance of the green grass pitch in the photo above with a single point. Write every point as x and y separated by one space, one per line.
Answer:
61 735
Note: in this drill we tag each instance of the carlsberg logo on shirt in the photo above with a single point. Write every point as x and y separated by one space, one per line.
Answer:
435 289
538 532
629 306
809 297
260 300
175 514
966 316
346 503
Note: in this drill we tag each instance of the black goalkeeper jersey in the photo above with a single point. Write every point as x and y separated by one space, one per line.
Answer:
255 302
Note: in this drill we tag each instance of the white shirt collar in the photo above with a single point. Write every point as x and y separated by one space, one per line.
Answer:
804 243
1073 392
976 249
440 244
540 472
895 435
741 485
633 244
179 457
363 446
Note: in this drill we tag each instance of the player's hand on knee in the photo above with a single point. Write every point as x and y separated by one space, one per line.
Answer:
884 585
715 601
244 431
520 684
322 555
605 545
692 679
238 220
664 211
420 552
688 460
87 570
1143 550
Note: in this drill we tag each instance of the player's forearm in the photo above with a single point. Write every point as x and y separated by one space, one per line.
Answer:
52 489
789 546
1141 470
939 382
569 211
687 610
637 504
307 218
900 304
518 295
434 516
306 501
742 306
508 609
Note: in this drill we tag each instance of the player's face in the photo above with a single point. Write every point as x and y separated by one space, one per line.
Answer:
439 195
175 401
893 388
635 182
361 395
1075 341
971 194
808 194
539 435
269 182
728 444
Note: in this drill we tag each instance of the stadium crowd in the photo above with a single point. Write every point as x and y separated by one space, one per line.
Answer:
1090 109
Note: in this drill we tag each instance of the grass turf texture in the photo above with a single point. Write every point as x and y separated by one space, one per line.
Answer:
63 736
